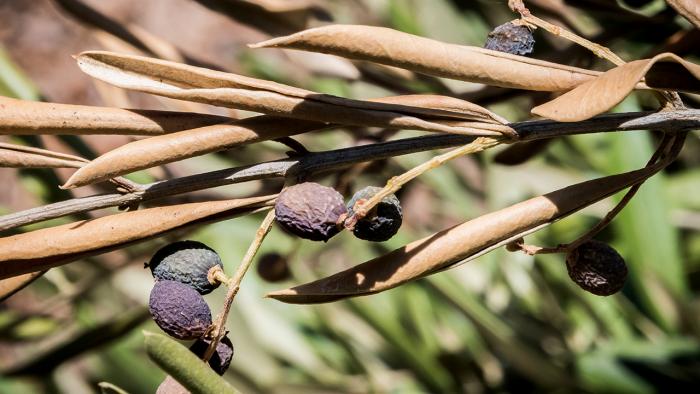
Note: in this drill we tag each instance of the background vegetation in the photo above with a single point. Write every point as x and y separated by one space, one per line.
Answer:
505 322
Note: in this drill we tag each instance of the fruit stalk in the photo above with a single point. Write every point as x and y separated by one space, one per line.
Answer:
234 284
395 183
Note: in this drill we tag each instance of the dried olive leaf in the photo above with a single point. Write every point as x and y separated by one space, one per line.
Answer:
21 117
10 286
469 110
18 156
423 55
163 149
664 71
690 9
458 244
197 84
167 148
46 248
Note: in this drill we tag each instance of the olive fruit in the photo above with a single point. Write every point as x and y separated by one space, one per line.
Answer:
597 268
310 211
273 267
186 262
179 310
383 221
511 38
221 358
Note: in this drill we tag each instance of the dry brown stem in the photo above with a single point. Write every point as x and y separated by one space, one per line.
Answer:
673 121
394 184
234 284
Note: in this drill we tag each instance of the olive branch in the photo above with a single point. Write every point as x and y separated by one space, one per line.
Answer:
463 126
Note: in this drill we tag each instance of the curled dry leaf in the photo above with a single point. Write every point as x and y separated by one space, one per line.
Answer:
181 81
458 244
690 9
20 117
19 156
664 71
163 149
46 248
423 55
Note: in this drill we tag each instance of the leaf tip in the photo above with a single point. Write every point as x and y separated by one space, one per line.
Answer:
273 42
68 185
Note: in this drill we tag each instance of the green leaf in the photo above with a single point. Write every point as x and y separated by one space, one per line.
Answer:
109 388
602 374
13 82
184 366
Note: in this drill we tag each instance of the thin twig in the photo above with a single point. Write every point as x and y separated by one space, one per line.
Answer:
234 284
319 162
597 49
363 207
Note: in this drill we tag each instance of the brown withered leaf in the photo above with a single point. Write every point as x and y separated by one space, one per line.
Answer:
18 156
184 82
50 247
664 71
163 149
21 117
458 244
690 9
10 286
426 56
167 148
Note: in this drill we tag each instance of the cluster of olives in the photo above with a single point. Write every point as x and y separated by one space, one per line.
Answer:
316 212
183 273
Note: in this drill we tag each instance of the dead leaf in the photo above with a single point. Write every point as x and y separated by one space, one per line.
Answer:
21 117
181 81
163 149
426 56
50 247
167 148
458 244
664 71
690 9
18 156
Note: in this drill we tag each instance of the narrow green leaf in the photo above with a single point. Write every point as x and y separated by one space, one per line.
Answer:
109 388
184 366
13 82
